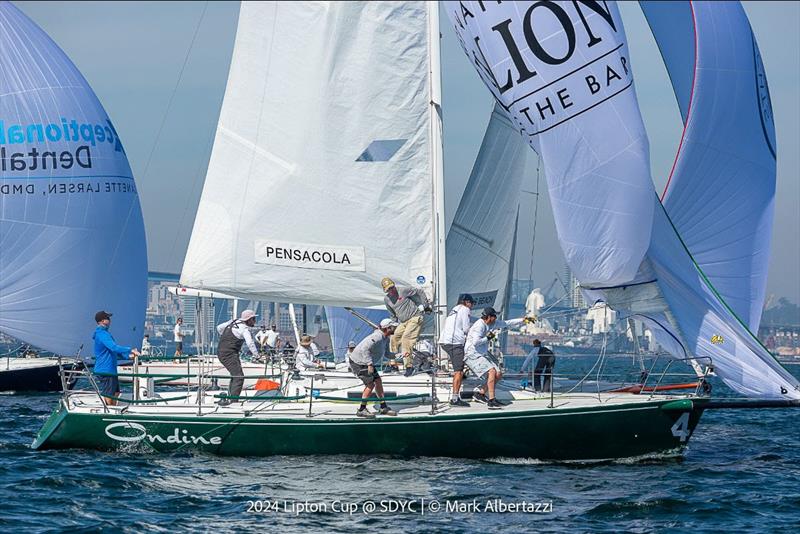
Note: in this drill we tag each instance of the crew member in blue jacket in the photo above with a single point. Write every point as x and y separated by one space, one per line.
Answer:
106 354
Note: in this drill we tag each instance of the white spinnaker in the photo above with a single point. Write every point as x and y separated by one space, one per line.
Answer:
314 87
562 71
480 240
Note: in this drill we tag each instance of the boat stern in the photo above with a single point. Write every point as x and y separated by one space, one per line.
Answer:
50 426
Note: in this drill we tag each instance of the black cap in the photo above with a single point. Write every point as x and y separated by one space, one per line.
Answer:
489 312
466 297
101 315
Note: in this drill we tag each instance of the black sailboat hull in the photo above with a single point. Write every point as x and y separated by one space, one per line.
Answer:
38 379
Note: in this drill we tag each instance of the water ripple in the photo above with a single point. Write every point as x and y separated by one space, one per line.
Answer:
740 473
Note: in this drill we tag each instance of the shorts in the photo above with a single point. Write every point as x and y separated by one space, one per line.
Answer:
456 355
481 363
108 385
362 372
179 346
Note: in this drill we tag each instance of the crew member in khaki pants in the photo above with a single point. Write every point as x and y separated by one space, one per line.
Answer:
406 306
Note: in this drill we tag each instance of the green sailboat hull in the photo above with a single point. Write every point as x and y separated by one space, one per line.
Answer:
588 433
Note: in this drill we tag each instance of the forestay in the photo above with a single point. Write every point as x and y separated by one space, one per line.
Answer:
72 239
480 240
320 180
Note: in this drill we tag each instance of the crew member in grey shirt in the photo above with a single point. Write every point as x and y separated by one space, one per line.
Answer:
406 306
363 362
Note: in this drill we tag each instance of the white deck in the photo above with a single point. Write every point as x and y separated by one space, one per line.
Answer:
264 409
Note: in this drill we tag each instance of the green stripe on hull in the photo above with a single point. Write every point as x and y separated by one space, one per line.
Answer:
579 434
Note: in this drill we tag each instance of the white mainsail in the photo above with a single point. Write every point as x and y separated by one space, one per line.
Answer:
325 174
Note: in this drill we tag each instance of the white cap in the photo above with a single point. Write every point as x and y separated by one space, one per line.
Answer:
386 323
247 315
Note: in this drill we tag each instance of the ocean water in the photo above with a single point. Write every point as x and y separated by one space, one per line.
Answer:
740 473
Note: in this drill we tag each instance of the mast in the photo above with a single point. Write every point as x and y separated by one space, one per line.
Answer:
437 166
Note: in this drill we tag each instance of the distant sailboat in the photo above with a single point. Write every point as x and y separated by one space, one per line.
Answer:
72 239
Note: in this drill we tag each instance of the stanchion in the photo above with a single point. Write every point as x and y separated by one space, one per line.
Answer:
311 397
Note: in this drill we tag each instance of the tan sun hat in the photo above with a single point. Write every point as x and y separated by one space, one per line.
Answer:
305 340
247 315
387 284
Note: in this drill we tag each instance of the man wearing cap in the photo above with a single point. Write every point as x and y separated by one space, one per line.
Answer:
305 356
452 339
363 361
478 358
232 335
406 307
106 354
350 348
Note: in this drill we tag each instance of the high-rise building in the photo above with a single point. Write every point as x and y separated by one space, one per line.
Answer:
575 297
188 311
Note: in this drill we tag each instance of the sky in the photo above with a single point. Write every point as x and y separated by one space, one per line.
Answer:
160 69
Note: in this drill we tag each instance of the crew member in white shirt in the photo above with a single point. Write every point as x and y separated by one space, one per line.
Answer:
178 337
261 339
272 339
452 339
305 356
478 358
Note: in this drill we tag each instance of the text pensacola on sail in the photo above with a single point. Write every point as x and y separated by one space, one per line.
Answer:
67 131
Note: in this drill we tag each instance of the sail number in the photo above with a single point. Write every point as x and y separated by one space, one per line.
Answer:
681 427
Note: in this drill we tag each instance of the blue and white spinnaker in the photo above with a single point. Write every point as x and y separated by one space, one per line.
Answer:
694 267
72 239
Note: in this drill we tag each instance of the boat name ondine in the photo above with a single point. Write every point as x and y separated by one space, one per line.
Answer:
136 432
